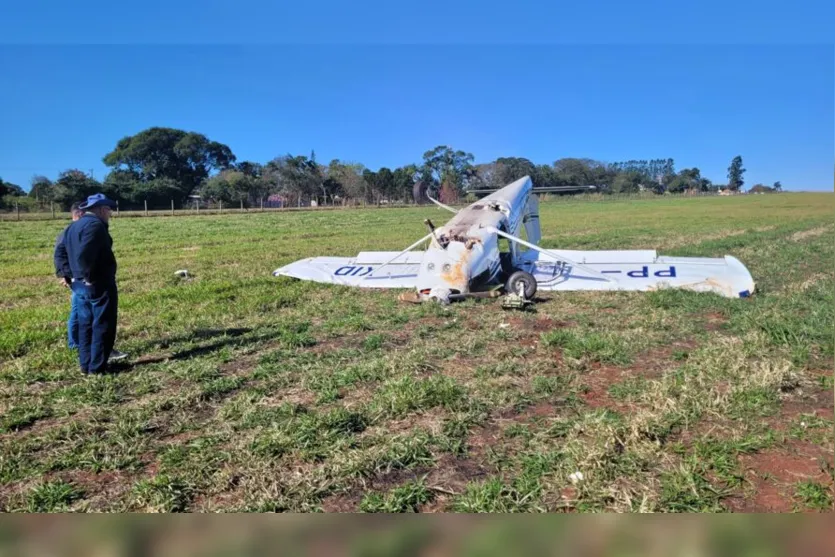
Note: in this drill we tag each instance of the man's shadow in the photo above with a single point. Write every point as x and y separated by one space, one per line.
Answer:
224 337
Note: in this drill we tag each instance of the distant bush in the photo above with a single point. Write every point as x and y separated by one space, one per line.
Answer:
26 204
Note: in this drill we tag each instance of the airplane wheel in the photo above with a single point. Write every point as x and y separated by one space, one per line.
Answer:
527 281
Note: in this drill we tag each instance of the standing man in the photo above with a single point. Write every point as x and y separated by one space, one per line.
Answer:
64 274
93 266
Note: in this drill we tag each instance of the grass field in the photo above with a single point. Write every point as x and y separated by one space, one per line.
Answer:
249 393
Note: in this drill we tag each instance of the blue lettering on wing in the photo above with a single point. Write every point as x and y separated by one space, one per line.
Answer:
643 272
353 271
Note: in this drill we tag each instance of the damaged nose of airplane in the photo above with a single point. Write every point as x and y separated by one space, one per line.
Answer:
444 269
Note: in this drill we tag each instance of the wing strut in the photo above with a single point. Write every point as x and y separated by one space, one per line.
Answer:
410 248
553 255
441 205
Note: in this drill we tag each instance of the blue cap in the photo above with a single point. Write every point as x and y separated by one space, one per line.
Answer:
97 200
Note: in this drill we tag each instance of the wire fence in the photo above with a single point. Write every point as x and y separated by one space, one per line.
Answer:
47 210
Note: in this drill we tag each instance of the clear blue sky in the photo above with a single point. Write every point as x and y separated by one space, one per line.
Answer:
64 106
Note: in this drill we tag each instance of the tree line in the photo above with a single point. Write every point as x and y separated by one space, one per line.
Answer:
160 165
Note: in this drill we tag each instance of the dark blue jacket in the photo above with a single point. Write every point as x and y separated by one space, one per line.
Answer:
90 250
62 262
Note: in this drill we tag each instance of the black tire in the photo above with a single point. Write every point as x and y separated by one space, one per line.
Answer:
527 279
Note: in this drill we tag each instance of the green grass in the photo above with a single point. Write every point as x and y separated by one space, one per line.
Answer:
814 496
406 498
53 497
246 392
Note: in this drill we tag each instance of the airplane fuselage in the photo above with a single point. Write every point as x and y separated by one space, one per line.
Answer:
465 251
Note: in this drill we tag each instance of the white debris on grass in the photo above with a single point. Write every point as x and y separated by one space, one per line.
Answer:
576 477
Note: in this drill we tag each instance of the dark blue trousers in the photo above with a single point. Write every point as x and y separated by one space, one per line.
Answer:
96 310
72 323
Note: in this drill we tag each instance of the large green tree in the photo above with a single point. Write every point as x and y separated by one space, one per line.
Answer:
74 185
443 165
8 194
735 172
350 180
42 189
510 169
294 177
545 176
688 179
627 182
7 188
583 172
404 180
183 158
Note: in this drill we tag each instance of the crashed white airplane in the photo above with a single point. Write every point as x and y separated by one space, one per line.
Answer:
465 257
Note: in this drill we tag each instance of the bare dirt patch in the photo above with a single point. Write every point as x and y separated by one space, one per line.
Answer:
343 502
482 438
295 396
774 473
810 399
349 501
597 383
714 321
239 366
430 421
102 488
648 365
449 478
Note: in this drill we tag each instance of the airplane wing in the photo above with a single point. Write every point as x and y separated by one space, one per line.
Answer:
369 269
641 270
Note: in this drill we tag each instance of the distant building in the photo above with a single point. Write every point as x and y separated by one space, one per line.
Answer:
759 188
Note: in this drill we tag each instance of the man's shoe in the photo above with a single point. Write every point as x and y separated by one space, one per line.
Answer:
116 355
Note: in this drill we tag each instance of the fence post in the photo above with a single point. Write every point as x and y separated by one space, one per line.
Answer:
262 204
52 208
17 209
197 203
242 204
117 208
172 207
146 207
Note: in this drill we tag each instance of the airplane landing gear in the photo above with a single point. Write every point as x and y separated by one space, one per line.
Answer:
520 288
522 284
